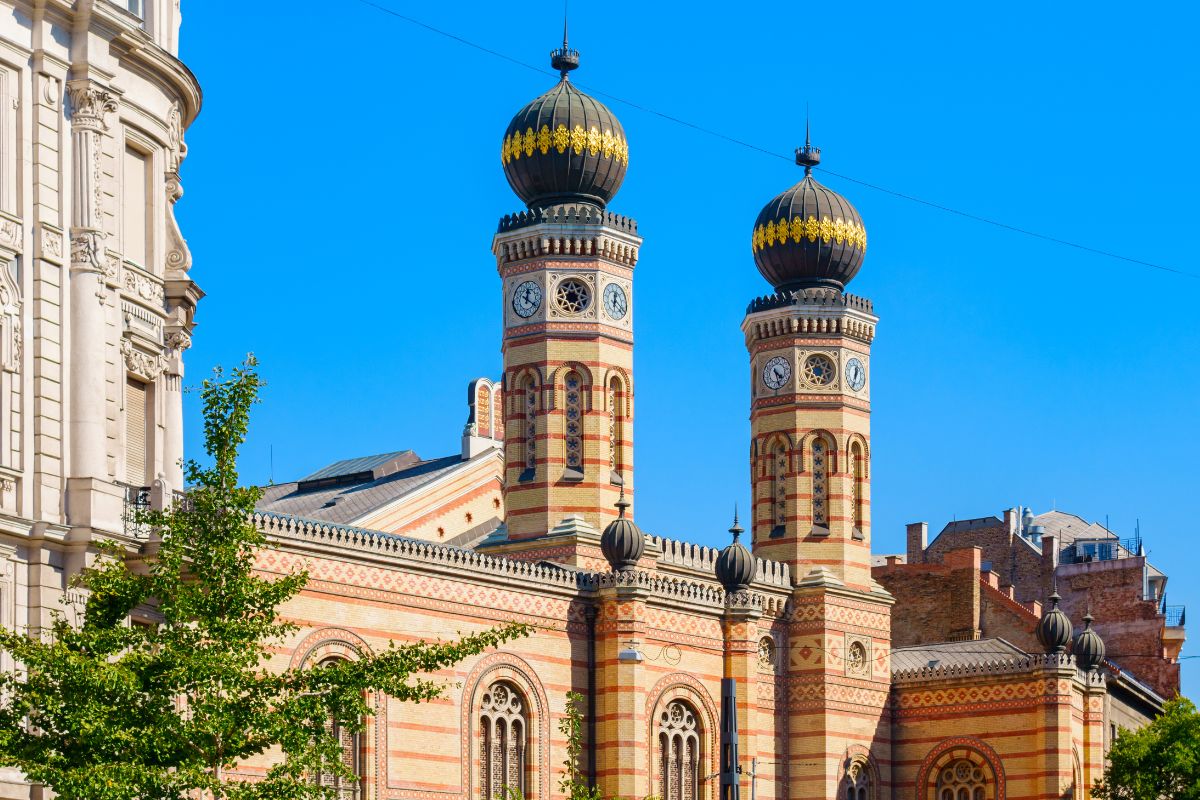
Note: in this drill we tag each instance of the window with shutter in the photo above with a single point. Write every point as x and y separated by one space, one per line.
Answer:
135 432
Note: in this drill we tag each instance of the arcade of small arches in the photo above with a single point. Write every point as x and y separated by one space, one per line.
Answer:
819 458
572 398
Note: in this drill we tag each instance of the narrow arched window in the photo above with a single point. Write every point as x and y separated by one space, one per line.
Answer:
822 457
858 478
679 753
616 430
856 783
350 757
503 736
963 780
779 470
573 423
528 427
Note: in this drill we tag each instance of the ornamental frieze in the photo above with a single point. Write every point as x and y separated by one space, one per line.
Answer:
828 229
593 141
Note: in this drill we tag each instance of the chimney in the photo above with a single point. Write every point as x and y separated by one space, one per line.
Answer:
918 535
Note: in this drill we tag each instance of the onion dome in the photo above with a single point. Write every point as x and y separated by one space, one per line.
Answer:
565 146
1054 631
735 564
1089 647
809 236
622 541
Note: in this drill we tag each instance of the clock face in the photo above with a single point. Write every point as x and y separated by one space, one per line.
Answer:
776 372
615 303
856 375
527 299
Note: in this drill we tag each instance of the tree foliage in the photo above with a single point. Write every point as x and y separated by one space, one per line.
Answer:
104 710
1160 761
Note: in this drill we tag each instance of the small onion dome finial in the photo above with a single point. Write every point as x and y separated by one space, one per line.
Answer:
622 541
808 237
564 59
808 156
735 563
1054 631
1088 647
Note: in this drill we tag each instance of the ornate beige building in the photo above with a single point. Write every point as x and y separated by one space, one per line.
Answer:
96 304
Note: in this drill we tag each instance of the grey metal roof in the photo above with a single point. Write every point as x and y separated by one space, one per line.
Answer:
346 502
351 466
979 523
1068 528
954 654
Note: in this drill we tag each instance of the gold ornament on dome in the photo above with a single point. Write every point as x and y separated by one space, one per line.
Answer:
594 142
828 229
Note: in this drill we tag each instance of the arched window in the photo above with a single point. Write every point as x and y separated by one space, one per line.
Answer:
856 784
616 429
779 469
858 477
822 457
962 780
528 427
503 735
573 423
350 758
679 752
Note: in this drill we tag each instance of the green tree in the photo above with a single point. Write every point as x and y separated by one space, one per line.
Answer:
105 710
1159 762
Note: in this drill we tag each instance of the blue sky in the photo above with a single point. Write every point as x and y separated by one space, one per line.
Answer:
343 185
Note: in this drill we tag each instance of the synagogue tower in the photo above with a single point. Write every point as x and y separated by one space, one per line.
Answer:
567 270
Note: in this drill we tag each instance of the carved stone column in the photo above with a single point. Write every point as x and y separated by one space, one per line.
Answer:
172 383
93 502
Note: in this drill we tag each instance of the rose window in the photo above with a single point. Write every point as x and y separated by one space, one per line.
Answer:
962 780
856 657
766 653
573 297
818 370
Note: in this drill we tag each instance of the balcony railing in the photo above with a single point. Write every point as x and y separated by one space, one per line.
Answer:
1175 615
139 499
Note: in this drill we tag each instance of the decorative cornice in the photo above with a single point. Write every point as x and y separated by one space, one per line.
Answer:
810 312
567 230
703 559
997 666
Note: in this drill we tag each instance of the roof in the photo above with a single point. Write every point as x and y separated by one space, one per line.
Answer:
352 466
345 501
979 523
954 654
1068 527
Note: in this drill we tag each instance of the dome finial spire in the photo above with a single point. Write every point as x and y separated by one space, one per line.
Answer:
736 530
622 503
808 156
564 59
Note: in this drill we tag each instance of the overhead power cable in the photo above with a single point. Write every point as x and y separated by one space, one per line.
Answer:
751 146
